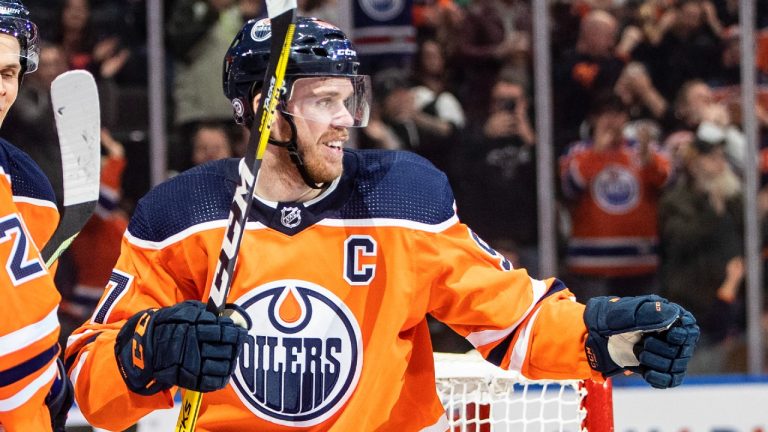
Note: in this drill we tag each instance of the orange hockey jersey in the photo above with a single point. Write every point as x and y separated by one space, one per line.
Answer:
29 326
337 290
613 213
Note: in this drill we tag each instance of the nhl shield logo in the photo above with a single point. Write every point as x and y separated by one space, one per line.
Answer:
303 355
290 217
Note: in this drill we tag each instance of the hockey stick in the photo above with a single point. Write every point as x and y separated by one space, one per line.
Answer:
75 101
282 15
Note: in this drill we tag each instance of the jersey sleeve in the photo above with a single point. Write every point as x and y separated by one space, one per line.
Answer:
531 326
29 326
147 275
656 172
574 175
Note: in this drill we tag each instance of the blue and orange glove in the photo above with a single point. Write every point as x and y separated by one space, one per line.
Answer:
182 345
647 335
60 399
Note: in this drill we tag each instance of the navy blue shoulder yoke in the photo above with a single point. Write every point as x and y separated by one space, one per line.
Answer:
375 184
27 179
398 185
198 195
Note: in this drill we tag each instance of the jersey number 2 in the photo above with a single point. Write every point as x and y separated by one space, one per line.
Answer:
19 265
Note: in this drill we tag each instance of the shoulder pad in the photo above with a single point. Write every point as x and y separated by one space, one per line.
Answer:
201 194
399 185
27 179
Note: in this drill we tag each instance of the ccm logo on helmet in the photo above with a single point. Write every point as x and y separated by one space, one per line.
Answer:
345 52
302 358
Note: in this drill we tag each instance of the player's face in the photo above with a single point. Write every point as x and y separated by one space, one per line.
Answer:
10 68
611 121
322 123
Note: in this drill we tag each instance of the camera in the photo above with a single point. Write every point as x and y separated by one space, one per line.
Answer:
508 104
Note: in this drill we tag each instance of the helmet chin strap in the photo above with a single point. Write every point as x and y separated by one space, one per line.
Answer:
293 151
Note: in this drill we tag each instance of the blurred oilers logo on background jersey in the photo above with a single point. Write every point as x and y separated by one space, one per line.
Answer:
616 190
303 355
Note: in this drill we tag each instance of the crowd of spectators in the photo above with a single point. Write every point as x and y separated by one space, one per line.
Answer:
646 127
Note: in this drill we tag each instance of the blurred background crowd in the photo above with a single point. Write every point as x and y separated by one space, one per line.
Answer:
647 128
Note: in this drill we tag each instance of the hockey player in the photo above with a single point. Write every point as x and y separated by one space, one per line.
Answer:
35 394
344 255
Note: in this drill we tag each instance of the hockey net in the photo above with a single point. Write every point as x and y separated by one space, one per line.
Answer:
480 397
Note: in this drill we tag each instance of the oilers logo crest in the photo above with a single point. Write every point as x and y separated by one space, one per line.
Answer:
262 30
616 190
382 10
303 355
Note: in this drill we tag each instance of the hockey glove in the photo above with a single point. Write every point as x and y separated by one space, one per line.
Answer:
182 345
60 399
646 334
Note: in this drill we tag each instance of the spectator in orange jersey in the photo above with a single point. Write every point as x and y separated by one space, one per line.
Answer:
613 186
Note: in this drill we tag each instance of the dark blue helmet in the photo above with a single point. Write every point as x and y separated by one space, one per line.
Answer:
14 21
318 49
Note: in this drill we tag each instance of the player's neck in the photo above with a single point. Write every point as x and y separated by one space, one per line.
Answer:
281 182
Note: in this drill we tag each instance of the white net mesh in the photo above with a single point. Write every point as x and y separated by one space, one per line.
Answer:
479 397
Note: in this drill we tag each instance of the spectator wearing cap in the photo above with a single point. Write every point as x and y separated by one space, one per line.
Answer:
700 226
612 186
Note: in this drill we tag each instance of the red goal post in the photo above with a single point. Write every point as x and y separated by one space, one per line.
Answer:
480 397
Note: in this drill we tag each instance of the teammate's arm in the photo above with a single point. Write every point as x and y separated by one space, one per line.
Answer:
100 390
144 302
29 327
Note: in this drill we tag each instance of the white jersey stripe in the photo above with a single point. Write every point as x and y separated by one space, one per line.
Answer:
75 337
75 374
521 346
386 222
485 337
222 223
30 334
27 392
34 201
